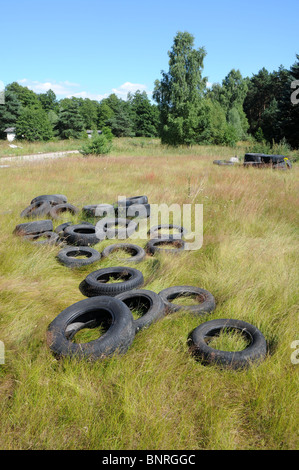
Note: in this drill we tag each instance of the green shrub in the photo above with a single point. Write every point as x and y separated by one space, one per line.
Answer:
99 144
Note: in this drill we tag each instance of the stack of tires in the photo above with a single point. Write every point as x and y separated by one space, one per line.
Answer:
48 206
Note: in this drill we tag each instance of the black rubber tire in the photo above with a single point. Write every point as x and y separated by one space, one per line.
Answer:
254 353
223 162
91 286
56 210
32 228
104 228
155 306
60 229
133 200
37 209
138 211
155 246
53 199
207 305
81 235
137 252
154 231
91 313
67 256
93 210
52 238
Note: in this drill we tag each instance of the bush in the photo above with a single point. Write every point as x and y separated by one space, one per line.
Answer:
98 144
33 124
282 148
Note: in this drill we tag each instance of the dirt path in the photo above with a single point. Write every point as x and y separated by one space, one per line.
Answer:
36 157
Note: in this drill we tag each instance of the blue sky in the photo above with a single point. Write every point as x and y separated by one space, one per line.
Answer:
92 48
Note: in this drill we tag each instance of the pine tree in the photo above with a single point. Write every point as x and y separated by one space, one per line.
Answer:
9 112
70 123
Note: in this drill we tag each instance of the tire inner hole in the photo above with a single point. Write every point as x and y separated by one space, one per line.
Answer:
139 306
94 324
85 230
187 299
80 254
175 244
114 277
228 339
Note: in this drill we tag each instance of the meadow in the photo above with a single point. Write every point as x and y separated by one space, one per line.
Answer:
156 396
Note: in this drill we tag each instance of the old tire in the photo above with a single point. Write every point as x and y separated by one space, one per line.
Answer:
132 200
113 313
53 199
32 228
254 353
223 162
52 238
137 252
96 210
61 208
156 246
68 256
37 209
105 228
139 211
206 300
155 308
81 235
154 231
60 229
96 283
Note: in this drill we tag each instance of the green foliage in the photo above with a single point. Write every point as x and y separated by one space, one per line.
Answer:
268 105
235 121
179 93
9 112
48 101
99 144
280 148
145 115
33 124
70 123
26 97
104 114
231 95
121 123
89 112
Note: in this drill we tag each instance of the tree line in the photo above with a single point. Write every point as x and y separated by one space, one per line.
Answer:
186 110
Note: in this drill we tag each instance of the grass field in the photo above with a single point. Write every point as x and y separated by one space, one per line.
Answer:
156 396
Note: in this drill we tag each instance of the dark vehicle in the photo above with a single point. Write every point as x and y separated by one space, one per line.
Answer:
262 160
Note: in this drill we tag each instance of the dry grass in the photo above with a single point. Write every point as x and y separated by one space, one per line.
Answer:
155 396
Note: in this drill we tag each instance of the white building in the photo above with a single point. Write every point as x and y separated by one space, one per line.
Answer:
10 133
90 132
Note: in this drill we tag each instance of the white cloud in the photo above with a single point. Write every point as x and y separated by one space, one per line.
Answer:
59 88
91 96
68 89
127 87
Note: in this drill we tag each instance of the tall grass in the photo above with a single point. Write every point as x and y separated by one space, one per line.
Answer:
156 396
